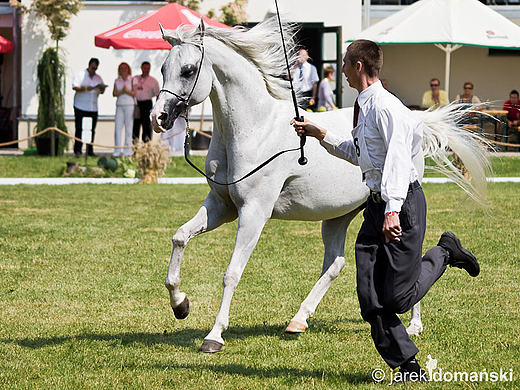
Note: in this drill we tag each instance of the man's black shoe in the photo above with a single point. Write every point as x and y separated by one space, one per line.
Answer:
92 154
410 371
459 256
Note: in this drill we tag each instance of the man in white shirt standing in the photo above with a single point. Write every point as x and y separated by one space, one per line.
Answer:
305 78
88 85
392 274
147 88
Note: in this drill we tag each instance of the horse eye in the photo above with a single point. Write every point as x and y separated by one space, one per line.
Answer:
188 70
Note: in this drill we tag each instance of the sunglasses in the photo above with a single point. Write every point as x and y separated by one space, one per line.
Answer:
468 88
434 85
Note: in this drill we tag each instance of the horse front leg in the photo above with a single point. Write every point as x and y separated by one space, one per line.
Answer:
251 221
415 327
333 233
211 215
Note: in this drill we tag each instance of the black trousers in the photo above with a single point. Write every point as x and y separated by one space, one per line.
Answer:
145 106
78 121
392 277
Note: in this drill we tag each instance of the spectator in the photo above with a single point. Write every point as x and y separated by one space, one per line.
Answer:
147 88
325 93
305 78
436 96
124 91
468 100
513 110
88 85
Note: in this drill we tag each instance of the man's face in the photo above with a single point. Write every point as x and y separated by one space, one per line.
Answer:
435 85
350 73
514 98
92 67
145 68
303 56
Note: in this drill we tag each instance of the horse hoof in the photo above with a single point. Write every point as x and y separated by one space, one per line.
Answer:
210 346
182 310
414 329
296 327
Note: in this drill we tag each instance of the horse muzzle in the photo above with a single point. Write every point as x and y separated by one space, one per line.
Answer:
165 112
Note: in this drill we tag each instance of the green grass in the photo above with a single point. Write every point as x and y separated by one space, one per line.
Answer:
83 305
37 166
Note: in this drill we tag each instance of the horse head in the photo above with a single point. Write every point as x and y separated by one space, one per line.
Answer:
186 77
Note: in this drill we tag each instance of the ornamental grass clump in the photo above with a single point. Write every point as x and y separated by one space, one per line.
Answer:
152 159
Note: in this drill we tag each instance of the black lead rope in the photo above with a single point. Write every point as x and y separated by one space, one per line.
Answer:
187 148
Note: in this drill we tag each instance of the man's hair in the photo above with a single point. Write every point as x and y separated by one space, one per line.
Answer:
469 83
145 63
514 92
436 79
93 60
328 70
368 53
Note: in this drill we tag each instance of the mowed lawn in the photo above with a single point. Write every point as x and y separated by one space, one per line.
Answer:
83 304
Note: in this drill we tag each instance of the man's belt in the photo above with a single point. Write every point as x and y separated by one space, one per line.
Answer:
376 197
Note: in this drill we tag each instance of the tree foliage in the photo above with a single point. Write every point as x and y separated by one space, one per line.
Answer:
51 76
233 13
57 14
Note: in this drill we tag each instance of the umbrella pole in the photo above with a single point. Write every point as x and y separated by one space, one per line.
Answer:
448 49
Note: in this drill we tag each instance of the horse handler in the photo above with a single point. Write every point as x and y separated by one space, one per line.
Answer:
392 275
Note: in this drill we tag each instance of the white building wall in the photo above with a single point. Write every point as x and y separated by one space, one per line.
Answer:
78 47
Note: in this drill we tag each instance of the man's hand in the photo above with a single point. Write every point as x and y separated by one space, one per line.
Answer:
308 128
392 227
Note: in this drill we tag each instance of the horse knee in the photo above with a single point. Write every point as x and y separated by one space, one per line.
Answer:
231 279
180 239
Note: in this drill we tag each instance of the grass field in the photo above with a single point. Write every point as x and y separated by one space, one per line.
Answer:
37 166
83 305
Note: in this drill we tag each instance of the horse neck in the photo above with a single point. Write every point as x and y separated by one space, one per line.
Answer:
239 96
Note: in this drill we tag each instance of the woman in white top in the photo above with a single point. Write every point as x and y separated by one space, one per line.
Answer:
469 100
467 96
325 93
125 93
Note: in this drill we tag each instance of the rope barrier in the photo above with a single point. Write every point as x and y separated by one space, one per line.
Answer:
91 143
170 136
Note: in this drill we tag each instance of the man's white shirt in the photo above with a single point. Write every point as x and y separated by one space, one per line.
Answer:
86 100
387 137
304 77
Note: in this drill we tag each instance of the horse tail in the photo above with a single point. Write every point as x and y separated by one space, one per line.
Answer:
442 134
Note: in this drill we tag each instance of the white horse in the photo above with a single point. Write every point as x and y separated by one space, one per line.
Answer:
240 71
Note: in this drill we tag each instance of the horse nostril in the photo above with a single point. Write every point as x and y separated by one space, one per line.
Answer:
163 116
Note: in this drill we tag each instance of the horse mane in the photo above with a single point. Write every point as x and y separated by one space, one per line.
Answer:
260 45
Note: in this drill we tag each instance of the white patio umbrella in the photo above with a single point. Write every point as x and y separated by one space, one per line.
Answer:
449 24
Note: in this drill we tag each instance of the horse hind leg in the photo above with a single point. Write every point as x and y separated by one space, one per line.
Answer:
415 327
211 215
333 233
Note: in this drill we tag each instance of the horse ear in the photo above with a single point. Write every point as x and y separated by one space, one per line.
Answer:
168 36
201 29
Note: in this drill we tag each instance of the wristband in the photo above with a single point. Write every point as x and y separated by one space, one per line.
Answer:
392 213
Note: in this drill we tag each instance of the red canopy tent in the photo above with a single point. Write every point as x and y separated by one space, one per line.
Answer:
144 32
6 46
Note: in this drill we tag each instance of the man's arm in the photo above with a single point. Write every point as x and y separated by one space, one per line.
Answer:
397 132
